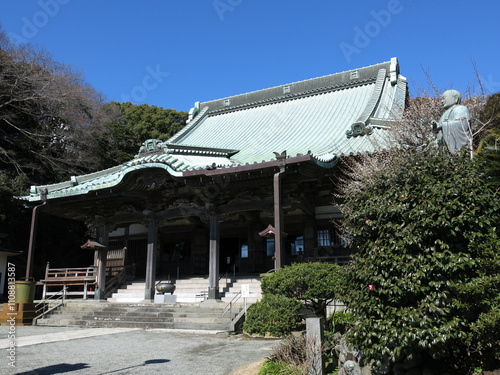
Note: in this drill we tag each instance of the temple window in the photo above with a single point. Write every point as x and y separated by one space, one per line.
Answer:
270 247
244 251
329 235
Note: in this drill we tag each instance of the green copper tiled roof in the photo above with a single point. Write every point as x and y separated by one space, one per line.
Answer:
109 178
326 117
312 117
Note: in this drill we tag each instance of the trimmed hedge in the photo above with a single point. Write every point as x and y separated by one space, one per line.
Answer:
276 315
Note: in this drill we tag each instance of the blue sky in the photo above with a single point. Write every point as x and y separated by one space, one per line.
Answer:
173 53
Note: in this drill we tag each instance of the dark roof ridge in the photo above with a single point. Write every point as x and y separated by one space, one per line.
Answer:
287 97
298 89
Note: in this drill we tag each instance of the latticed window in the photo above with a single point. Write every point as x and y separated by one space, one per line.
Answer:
324 237
329 234
116 254
116 249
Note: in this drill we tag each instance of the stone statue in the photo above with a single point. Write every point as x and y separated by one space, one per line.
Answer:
349 368
453 128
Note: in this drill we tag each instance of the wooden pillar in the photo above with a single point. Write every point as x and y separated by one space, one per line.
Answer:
213 262
149 292
278 213
32 239
102 256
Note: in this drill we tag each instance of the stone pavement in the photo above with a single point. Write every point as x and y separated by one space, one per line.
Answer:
58 350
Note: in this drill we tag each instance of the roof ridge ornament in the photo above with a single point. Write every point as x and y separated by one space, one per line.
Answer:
151 146
394 71
359 129
193 112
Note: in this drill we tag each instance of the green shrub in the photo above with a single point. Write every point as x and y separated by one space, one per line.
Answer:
274 314
275 368
424 283
315 284
340 321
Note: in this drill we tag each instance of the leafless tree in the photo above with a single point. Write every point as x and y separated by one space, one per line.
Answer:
50 119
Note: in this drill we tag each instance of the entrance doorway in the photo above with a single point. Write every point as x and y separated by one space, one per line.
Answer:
136 254
229 255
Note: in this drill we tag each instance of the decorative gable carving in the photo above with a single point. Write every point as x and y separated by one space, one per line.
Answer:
359 129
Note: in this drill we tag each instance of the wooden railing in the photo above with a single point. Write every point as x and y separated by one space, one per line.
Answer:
75 281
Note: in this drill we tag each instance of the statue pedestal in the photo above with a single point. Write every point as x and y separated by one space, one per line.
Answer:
165 298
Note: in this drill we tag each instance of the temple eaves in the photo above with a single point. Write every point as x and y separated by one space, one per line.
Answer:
317 121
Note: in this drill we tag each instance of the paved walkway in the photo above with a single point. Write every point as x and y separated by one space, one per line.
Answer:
59 350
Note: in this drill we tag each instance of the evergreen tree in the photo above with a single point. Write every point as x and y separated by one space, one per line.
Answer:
425 281
136 124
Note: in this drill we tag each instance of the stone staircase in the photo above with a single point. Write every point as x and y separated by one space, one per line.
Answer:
200 316
234 286
191 290
127 308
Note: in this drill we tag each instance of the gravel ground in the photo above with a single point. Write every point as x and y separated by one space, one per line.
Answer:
55 350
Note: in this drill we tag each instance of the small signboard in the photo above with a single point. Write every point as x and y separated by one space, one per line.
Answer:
245 290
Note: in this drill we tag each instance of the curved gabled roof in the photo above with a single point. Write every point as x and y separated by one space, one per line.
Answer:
304 117
326 117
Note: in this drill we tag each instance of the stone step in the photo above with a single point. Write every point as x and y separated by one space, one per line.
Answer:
143 315
154 309
135 324
178 320
125 299
130 295
136 287
162 314
137 318
192 290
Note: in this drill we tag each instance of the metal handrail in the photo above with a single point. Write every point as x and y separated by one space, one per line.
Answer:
229 306
223 275
45 304
116 281
226 275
